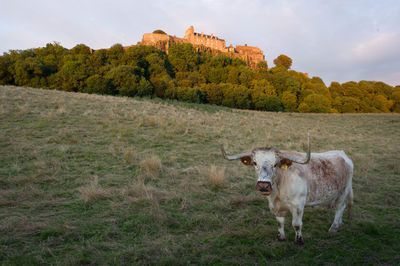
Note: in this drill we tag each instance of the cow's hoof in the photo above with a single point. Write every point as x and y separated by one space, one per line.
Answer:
299 241
333 229
279 237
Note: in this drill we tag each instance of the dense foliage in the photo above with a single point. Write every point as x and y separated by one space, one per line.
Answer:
189 75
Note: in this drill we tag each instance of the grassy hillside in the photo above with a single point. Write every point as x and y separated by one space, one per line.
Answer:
111 180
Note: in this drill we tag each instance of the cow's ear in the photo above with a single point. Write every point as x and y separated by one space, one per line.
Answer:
284 163
247 160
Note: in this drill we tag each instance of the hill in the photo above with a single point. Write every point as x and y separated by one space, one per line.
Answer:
192 74
116 180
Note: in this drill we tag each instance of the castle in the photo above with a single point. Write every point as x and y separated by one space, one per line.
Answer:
250 54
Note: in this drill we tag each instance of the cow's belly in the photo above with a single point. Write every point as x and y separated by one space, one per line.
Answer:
323 196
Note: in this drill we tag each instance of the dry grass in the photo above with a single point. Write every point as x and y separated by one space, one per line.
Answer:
130 156
215 175
93 192
151 166
89 179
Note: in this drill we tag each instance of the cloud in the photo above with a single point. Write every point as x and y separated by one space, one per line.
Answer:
380 47
336 40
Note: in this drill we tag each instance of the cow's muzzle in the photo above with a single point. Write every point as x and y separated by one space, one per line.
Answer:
264 187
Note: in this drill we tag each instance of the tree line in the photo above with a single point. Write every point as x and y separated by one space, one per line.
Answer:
191 75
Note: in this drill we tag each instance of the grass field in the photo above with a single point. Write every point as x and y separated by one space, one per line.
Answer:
87 179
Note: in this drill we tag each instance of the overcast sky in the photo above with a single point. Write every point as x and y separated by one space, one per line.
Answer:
337 40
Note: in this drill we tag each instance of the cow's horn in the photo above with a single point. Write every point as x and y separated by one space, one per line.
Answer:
302 161
234 157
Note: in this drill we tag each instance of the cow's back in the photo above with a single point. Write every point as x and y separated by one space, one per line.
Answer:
326 176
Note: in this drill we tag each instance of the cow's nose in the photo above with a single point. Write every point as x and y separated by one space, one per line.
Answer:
264 186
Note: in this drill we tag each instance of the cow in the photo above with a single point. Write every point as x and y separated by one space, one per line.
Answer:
292 180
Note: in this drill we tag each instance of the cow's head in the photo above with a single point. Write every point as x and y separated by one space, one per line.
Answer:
266 162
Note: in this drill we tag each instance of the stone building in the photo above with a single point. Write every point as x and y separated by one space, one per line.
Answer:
210 41
250 54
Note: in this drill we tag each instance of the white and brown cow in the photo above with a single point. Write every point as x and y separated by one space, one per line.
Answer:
290 183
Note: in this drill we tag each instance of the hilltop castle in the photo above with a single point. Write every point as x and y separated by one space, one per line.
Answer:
250 54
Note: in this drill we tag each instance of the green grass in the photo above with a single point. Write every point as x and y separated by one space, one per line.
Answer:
87 179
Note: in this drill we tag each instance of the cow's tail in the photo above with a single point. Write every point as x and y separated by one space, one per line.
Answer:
349 203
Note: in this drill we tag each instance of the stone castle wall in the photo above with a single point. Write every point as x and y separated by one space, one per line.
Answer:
250 54
151 38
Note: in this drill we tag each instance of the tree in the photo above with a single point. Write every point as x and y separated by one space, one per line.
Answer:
284 61
73 73
319 87
80 49
289 101
183 57
245 76
233 76
282 81
263 86
318 103
347 104
260 91
262 65
191 74
220 60
115 54
303 108
396 99
217 75
382 103
237 62
5 75
100 85
144 88
159 32
156 63
192 95
160 84
351 89
259 101
335 89
262 71
124 79
236 96
214 93
273 104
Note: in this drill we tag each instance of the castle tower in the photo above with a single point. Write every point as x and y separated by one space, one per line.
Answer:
189 33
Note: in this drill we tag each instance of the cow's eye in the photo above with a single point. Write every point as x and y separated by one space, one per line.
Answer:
255 163
275 164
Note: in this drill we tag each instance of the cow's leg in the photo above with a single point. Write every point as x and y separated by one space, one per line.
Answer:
297 223
281 228
340 206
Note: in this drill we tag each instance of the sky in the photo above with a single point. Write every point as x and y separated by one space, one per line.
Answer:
337 40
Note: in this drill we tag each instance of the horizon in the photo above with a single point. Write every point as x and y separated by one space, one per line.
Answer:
361 43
